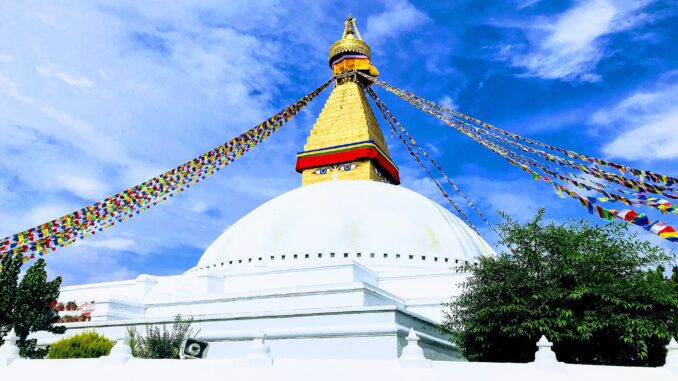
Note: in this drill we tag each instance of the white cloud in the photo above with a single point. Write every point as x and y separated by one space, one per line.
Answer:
646 120
109 243
199 207
521 4
448 102
424 186
10 88
46 212
85 264
400 16
85 187
433 148
570 45
520 198
112 274
262 187
658 139
72 80
644 102
75 125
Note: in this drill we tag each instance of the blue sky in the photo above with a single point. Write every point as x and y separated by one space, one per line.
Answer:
98 96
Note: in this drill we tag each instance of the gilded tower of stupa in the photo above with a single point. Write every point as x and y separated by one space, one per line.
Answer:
346 142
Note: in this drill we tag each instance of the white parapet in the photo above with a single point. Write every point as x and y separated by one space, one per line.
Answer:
413 355
259 353
9 350
545 355
121 351
211 282
144 284
301 369
118 308
672 354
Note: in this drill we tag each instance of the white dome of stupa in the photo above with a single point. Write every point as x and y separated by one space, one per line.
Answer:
380 225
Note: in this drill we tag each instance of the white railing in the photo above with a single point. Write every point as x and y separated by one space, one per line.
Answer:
258 362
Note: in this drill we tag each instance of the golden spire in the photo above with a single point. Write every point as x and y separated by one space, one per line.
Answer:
351 52
346 142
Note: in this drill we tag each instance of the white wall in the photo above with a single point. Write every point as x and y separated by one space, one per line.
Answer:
326 370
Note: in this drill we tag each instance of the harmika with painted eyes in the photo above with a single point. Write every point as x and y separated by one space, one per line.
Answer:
339 167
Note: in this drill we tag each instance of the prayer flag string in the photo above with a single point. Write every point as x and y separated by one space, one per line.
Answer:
630 216
653 176
662 205
593 171
521 161
669 181
96 217
430 175
391 120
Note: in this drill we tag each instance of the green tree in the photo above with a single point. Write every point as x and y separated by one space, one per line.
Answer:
592 290
9 278
27 305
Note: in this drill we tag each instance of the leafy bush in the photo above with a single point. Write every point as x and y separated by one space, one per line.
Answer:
589 289
161 344
81 346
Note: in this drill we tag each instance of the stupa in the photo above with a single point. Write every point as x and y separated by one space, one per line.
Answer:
350 262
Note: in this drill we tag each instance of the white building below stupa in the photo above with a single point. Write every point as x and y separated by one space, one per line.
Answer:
342 267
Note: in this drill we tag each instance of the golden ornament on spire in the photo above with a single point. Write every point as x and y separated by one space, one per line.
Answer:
351 52
346 142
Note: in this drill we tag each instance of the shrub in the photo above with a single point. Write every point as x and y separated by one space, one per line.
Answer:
161 344
81 346
588 288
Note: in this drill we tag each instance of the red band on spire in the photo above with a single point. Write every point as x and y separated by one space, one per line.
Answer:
345 154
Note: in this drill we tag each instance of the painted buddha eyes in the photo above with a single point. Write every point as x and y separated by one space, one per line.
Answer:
341 167
347 167
323 171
